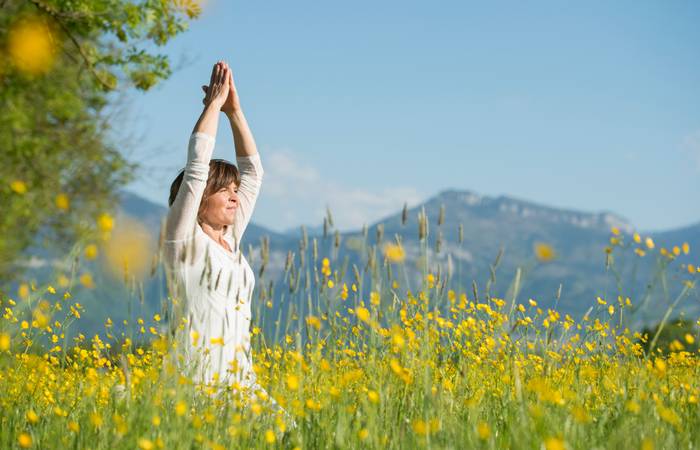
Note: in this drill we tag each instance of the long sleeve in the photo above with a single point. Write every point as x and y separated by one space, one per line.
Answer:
182 215
251 172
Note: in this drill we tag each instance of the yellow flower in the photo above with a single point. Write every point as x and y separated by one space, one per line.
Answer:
23 290
363 314
292 382
640 252
330 284
544 252
632 407
62 202
420 427
394 253
18 186
615 231
270 437
637 238
686 248
483 430
145 444
31 46
553 443
649 242
73 426
676 250
24 440
96 420
4 342
313 321
180 408
373 396
374 298
430 278
91 251
105 222
63 281
611 310
363 434
130 249
32 417
86 280
692 268
689 338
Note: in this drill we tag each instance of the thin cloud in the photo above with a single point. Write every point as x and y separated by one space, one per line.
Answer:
691 147
294 193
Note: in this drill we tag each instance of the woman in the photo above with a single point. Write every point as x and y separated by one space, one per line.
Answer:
210 206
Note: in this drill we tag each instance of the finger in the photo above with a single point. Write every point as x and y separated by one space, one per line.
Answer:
224 75
218 74
213 74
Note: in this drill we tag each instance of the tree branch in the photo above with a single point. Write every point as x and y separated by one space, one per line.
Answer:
65 29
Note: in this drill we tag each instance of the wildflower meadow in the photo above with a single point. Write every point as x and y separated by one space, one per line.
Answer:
431 367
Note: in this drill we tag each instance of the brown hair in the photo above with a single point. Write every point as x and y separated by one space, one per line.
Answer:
221 174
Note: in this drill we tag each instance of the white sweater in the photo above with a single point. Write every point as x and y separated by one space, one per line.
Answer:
213 287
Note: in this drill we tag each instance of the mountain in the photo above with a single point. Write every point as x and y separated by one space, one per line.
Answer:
490 225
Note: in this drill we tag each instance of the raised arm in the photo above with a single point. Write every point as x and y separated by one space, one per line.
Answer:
182 215
247 159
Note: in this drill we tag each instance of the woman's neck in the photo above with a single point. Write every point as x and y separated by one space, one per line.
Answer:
216 232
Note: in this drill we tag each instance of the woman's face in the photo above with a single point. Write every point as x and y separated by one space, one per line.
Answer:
221 206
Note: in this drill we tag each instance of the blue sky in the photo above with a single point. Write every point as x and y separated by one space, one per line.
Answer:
363 106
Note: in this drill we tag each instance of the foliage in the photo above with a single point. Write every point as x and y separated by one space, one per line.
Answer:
58 169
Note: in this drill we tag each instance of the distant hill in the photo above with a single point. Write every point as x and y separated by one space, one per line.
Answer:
489 225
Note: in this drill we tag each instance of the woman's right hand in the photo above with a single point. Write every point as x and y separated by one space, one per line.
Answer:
217 92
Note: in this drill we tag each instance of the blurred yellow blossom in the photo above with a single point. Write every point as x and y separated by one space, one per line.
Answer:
292 382
145 444
90 251
62 280
554 443
105 222
649 243
23 290
32 45
363 314
544 252
32 416
24 440
130 249
62 202
4 342
483 430
18 186
86 280
394 253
